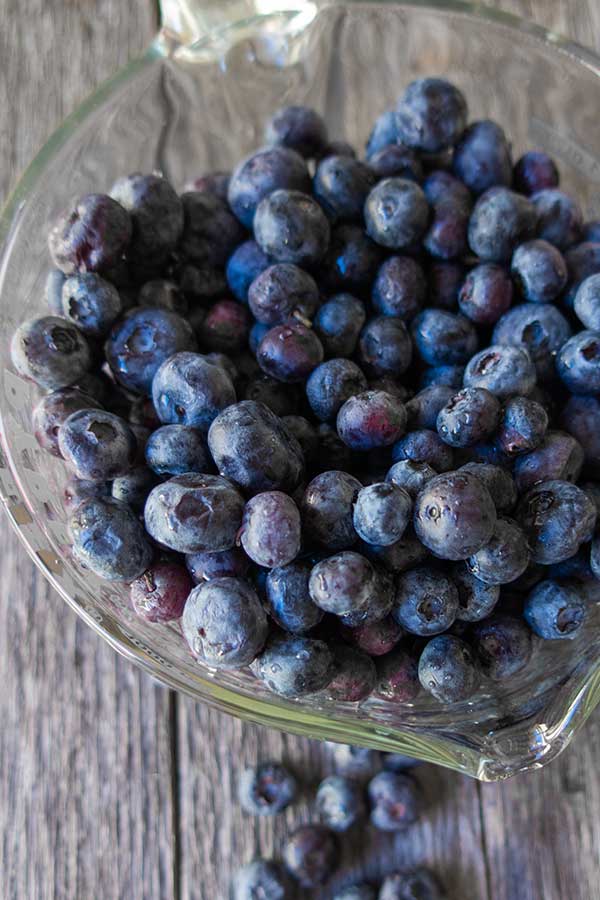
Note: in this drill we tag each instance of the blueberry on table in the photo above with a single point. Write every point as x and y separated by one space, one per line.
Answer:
505 558
539 271
262 173
341 185
447 669
311 855
396 213
476 599
397 674
426 601
343 584
396 801
261 878
469 417
331 384
356 892
141 341
270 531
156 214
267 789
159 595
497 480
291 227
396 159
400 287
134 487
293 666
338 324
425 446
288 600
109 539
371 419
558 456
555 610
523 425
540 329
557 517
381 513
415 884
339 802
581 418
559 218
225 328
194 512
375 638
188 389
454 515
244 265
50 351
578 363
482 157
385 347
54 409
504 370
97 445
206 565
500 221
161 293
383 134
281 290
443 338
424 407
175 450
535 171
92 237
251 446
486 294
298 127
91 303
354 762
411 475
224 623
502 645
431 114
289 352
354 680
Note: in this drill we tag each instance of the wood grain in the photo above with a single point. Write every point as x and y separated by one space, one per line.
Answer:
112 788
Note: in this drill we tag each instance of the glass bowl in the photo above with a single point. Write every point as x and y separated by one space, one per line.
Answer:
196 101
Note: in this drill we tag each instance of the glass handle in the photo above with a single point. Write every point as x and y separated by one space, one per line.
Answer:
188 21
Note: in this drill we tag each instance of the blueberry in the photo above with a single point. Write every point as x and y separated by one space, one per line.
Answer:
559 218
53 291
267 789
523 425
497 480
469 417
396 159
476 599
343 584
539 270
384 133
410 475
424 408
211 183
355 762
431 114
194 512
54 409
175 450
375 638
299 128
535 171
452 376
486 294
352 260
446 237
188 389
447 669
96 445
134 487
416 884
311 855
400 288
251 446
261 878
396 213
270 532
338 323
502 645
288 599
339 802
306 435
582 261
396 801
91 303
341 185
278 396
578 363
331 384
443 338
426 446
505 558
482 157
291 227
398 677
581 418
382 513
260 174
224 624
356 892
502 369
109 539
380 601
371 419
206 565
255 336
454 515
555 610
445 278
162 294
244 265
92 237
587 302
385 347
293 666
281 290
225 328
557 517
159 594
426 601
141 341
50 351
156 213
558 456
500 221
538 328
77 490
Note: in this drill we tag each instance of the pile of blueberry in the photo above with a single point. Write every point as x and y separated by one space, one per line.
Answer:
340 416
391 797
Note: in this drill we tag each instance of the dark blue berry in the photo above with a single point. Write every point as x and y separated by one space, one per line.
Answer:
454 515
469 417
159 595
289 352
288 599
431 114
91 303
97 445
352 260
502 369
582 261
396 160
443 338
502 645
341 185
540 329
557 517
400 288
134 487
281 290
384 133
343 584
175 450
486 294
327 509
578 363
211 232
260 174
424 408
555 610
109 539
189 390
156 214
426 601
482 157
559 218
278 396
452 376
257 333
447 669
445 279
539 270
331 384
476 599
267 789
291 227
339 802
500 221
382 513
298 127
355 678
426 446
270 532
396 213
311 855
558 456
523 425
293 666
385 347
261 878
587 302
50 351
371 419
225 328
244 265
410 475
206 565
497 480
534 171
504 558
398 676
54 409
92 237
396 801
338 324
375 638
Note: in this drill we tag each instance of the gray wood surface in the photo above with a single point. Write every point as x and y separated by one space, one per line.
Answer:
112 788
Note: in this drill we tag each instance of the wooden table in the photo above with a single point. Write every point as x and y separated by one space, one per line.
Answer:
112 787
